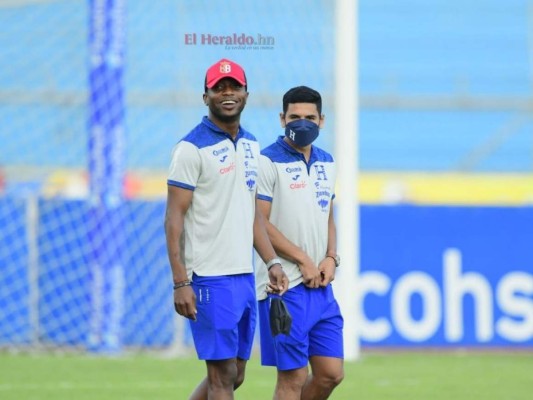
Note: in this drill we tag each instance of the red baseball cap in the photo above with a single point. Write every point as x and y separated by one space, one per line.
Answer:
224 69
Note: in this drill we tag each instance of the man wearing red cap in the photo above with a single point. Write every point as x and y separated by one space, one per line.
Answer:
211 225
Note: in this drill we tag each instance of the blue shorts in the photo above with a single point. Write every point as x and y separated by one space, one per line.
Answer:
316 329
226 319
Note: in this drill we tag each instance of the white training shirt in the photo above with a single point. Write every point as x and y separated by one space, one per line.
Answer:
218 234
301 195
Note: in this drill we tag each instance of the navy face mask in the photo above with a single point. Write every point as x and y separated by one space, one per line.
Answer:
302 132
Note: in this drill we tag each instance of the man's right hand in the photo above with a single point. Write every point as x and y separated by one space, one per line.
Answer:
279 283
310 273
185 302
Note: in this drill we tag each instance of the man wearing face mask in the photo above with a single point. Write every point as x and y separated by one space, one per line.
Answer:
295 196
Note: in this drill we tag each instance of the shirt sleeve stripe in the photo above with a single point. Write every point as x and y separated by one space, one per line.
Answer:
180 184
265 198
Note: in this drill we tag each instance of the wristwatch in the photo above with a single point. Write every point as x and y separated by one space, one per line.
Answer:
336 258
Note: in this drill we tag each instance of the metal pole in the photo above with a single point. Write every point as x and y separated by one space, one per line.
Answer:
346 138
32 224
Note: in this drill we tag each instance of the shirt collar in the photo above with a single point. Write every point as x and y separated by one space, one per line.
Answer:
216 129
280 141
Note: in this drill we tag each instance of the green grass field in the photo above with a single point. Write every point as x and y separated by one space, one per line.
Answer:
395 375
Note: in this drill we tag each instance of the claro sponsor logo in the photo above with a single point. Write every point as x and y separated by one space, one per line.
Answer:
227 169
298 185
442 307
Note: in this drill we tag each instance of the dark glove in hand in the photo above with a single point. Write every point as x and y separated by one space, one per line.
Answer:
280 318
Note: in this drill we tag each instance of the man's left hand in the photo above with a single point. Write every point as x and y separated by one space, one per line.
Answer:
327 271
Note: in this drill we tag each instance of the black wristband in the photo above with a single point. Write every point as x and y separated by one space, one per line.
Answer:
335 258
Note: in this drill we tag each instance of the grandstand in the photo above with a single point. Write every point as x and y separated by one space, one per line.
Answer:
440 82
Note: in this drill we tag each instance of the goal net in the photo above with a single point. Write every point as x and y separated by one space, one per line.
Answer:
93 96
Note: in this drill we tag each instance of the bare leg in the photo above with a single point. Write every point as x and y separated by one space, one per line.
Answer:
241 369
327 373
289 384
201 391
